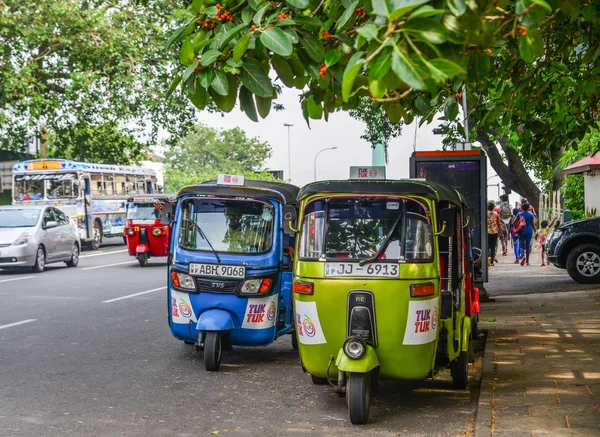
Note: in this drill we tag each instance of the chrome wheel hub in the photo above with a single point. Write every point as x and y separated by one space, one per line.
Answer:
588 264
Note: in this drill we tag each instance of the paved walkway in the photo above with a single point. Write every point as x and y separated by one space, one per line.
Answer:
541 369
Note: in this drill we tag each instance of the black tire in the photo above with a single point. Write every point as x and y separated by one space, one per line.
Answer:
40 260
212 351
317 380
358 397
74 256
583 264
475 326
294 341
459 369
143 259
94 243
125 240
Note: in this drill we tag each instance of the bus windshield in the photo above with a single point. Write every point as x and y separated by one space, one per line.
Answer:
355 228
236 226
46 186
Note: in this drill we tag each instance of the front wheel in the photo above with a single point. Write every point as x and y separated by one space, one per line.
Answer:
143 259
212 351
358 396
74 256
94 244
40 260
583 264
459 369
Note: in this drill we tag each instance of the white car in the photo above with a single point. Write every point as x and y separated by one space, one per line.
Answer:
36 235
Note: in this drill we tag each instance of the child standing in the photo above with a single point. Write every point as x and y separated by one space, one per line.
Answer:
543 237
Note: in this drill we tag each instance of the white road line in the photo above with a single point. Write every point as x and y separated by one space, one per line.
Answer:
133 295
103 253
17 279
109 265
22 322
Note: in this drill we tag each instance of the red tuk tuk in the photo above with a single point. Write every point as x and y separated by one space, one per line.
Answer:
145 232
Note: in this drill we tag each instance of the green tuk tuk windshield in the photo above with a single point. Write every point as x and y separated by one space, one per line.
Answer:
355 228
229 225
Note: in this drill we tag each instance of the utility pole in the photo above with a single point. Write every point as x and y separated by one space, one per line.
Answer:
289 151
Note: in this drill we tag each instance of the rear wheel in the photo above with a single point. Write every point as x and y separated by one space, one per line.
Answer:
94 243
317 380
40 260
459 369
294 341
212 351
142 259
358 395
475 326
583 264
74 256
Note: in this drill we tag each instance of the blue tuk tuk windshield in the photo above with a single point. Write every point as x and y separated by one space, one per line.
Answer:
230 225
355 228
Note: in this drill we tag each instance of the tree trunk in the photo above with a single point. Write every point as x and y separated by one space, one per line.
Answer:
43 142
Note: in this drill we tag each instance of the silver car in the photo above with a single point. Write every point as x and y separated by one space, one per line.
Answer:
36 235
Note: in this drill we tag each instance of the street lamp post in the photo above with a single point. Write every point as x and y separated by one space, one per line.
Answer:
322 150
289 151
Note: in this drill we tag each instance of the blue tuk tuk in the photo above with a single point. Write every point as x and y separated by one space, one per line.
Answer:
230 265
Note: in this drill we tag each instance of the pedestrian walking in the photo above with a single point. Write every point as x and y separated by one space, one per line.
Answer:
527 233
494 225
514 236
543 236
505 214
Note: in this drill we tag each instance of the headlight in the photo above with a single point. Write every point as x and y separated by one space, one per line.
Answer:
182 280
23 238
354 348
254 286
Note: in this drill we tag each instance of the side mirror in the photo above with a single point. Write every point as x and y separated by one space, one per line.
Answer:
290 216
446 222
51 224
167 213
469 218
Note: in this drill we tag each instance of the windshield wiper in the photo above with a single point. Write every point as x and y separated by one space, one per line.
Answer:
203 235
385 243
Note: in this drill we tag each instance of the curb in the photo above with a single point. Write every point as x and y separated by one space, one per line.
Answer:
485 414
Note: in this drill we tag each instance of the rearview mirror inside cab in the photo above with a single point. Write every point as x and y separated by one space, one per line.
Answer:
290 217
446 222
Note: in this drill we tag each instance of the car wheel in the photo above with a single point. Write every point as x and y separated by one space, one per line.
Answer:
94 243
583 264
40 260
74 256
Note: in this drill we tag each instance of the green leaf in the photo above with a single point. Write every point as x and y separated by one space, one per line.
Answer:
450 108
394 111
380 64
543 4
209 57
377 87
570 8
341 22
226 103
179 33
369 31
422 107
292 35
211 11
447 67
199 97
240 47
201 44
332 57
308 21
314 48
255 4
263 106
425 12
354 66
255 78
176 80
247 104
382 8
458 7
259 15
284 71
406 71
230 34
186 54
401 7
219 83
531 45
479 67
276 40
205 78
427 29
315 110
188 72
299 4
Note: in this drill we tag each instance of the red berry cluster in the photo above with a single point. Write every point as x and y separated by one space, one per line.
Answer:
458 95
325 35
282 16
360 12
207 24
323 70
522 31
222 15
488 51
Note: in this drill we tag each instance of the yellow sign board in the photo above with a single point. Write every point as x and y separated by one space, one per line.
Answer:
45 165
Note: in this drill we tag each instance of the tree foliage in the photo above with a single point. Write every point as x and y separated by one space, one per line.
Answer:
76 62
206 152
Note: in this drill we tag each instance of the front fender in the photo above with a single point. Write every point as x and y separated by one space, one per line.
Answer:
466 334
142 248
368 362
215 320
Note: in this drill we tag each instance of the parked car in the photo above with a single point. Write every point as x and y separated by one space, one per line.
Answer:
575 246
36 235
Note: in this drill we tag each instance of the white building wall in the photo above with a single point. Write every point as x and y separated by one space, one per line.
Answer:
159 168
592 191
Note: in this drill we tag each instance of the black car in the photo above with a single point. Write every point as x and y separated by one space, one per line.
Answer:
575 246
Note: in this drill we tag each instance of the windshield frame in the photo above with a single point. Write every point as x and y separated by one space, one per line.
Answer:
37 220
272 235
380 198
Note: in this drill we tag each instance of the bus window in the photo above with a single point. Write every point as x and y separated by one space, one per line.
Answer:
140 186
109 185
120 185
27 189
66 186
97 187
130 185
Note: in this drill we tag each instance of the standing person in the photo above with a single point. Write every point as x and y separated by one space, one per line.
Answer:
527 233
505 215
544 231
494 226
514 236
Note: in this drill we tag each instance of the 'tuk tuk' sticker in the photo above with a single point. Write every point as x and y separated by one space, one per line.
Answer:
308 325
422 321
261 312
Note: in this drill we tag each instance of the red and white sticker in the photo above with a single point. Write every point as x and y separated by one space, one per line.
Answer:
181 308
422 322
261 312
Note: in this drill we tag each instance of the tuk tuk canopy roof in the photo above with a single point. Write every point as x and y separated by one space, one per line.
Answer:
149 198
279 191
405 187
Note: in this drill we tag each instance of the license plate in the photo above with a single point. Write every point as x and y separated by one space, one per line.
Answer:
219 270
388 270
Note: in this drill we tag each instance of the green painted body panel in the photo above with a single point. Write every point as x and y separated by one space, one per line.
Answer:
366 363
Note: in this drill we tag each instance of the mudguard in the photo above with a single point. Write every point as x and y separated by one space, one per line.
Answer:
466 334
142 248
476 299
368 362
215 320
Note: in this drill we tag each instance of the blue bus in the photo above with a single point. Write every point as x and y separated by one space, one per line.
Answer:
93 195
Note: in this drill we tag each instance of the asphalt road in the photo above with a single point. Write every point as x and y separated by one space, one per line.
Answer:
87 351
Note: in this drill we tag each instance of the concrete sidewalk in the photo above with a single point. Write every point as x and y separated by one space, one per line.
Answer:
541 368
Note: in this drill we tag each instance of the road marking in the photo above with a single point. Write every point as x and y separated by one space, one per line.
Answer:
22 322
17 279
103 253
109 265
133 295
